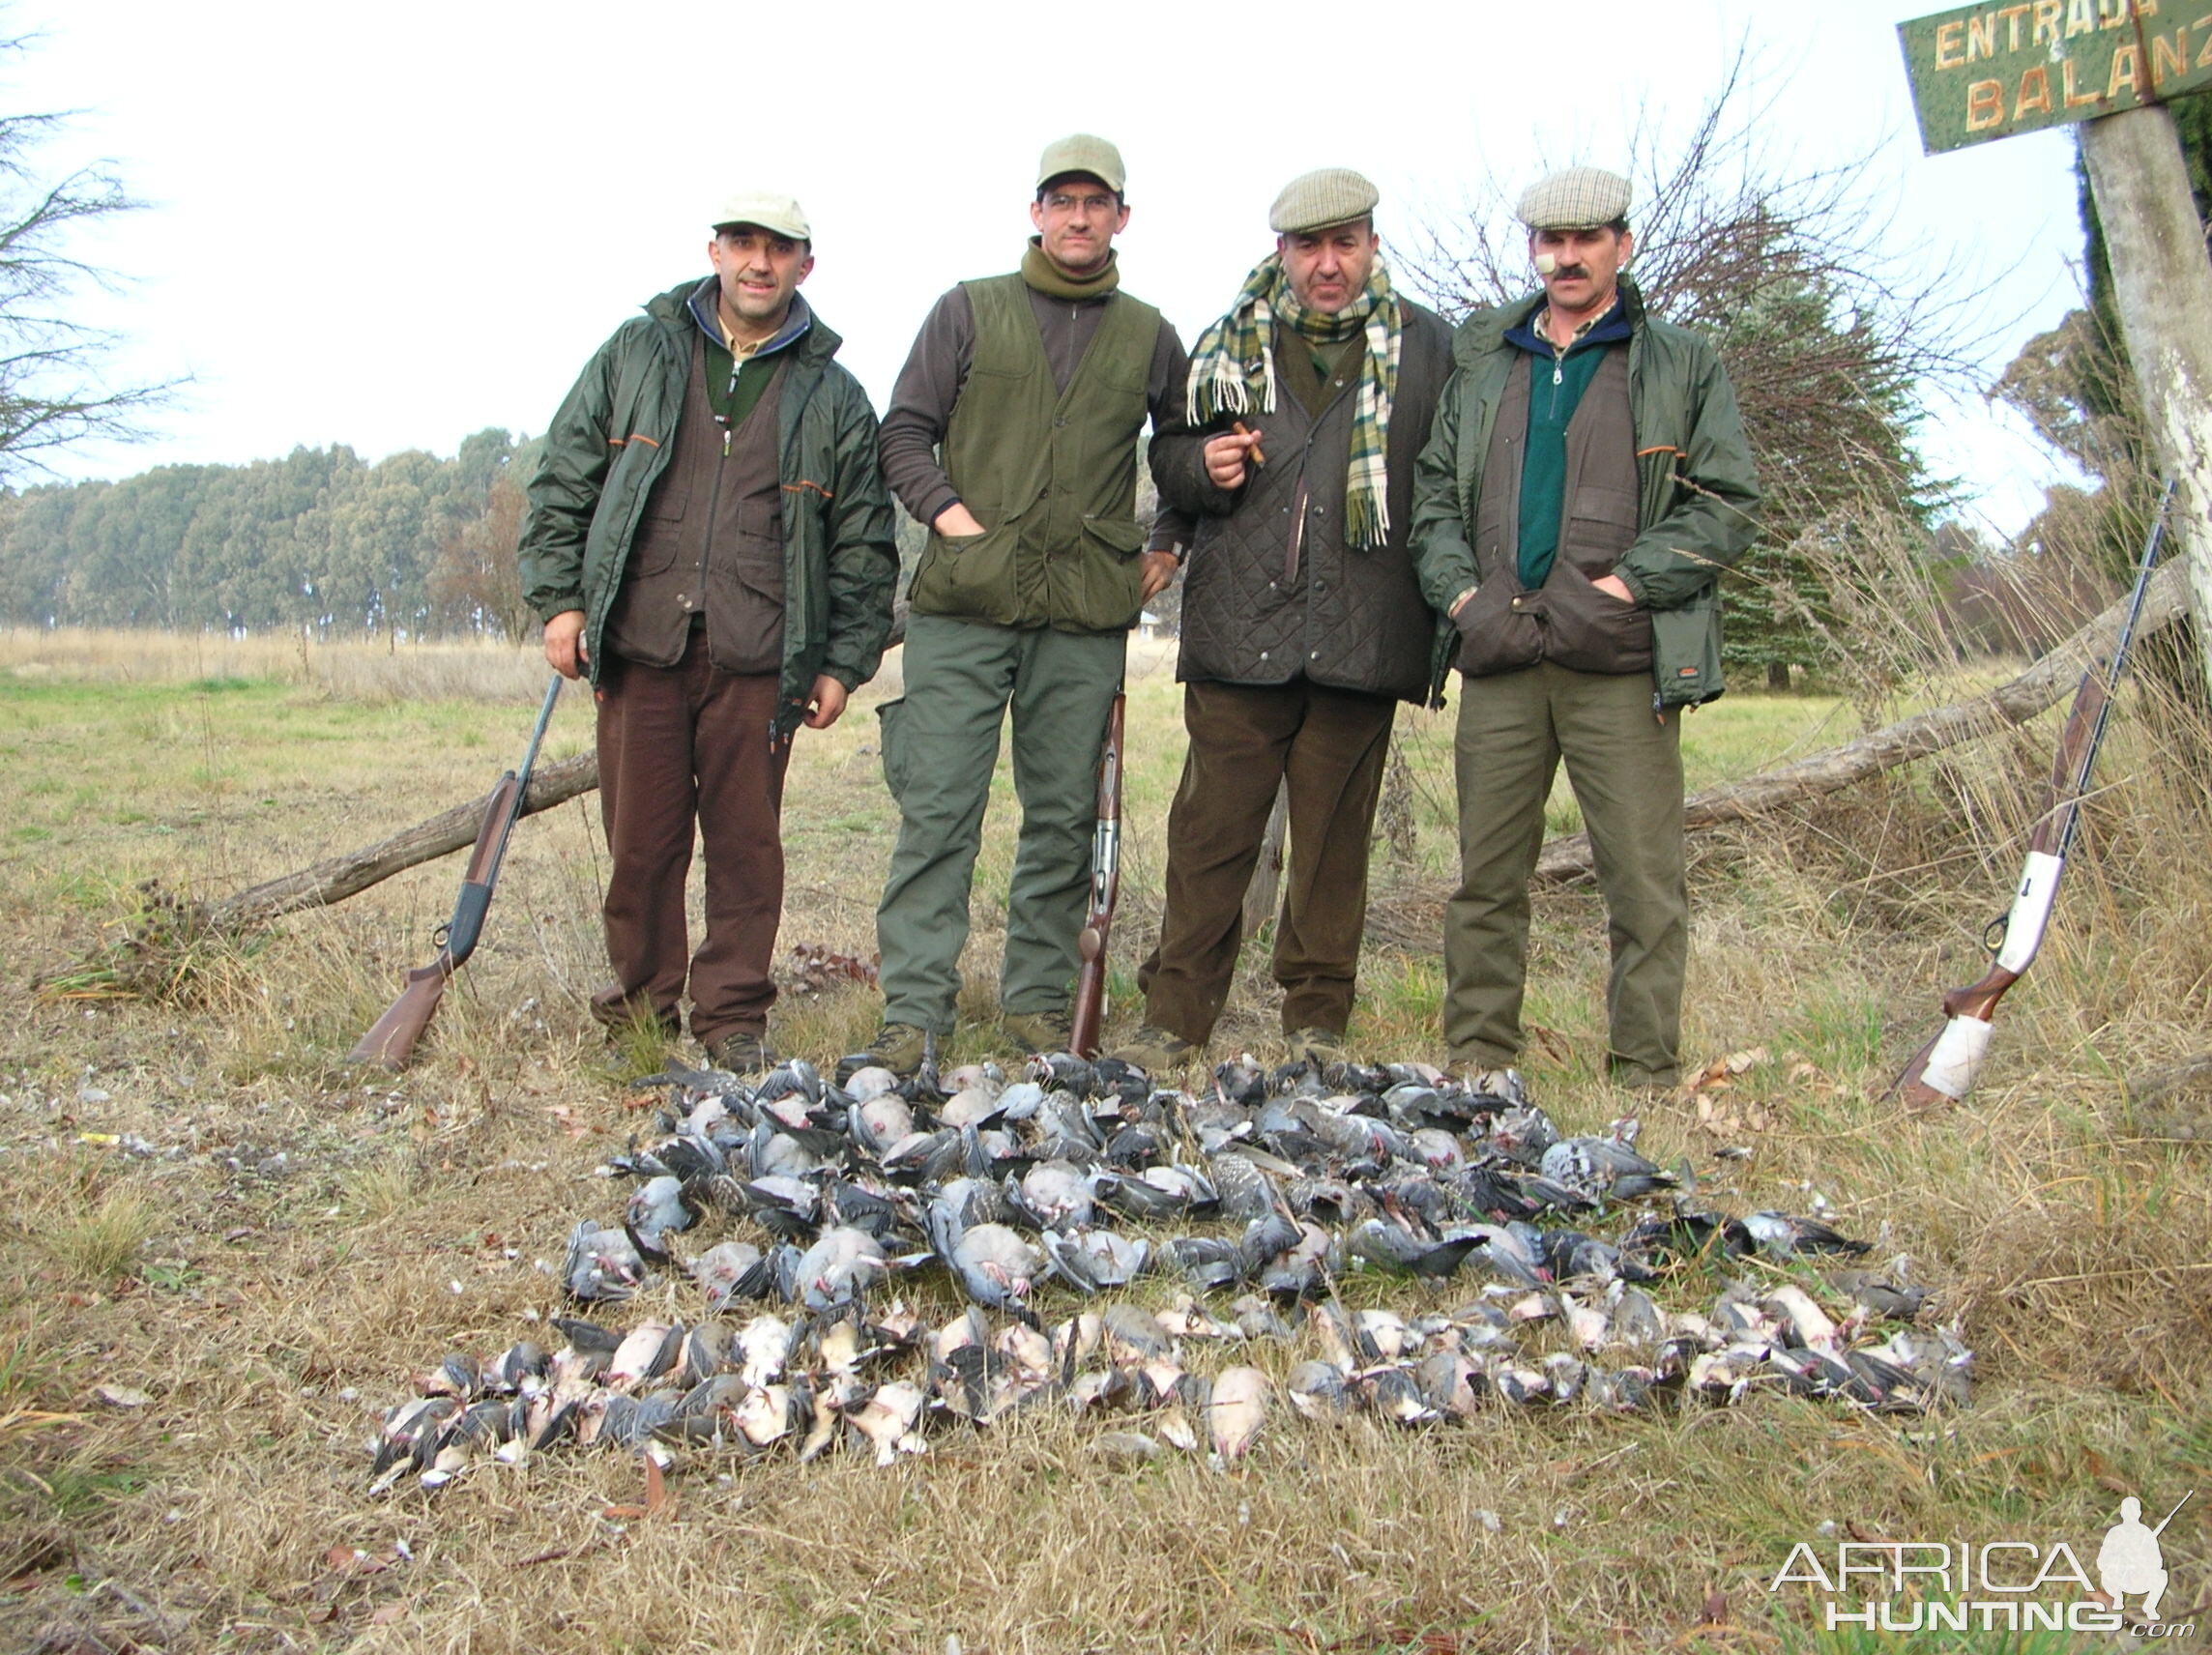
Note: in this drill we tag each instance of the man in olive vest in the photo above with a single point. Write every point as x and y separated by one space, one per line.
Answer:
1586 482
1012 434
1303 624
709 538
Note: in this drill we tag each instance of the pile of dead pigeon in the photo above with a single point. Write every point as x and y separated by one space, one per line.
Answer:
1229 1226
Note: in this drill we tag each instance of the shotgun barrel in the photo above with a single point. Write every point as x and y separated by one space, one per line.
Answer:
1105 890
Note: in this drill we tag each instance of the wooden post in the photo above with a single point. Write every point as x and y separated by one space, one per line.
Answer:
1261 896
2162 285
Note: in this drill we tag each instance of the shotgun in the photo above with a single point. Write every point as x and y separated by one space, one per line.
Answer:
390 1042
1947 1066
1105 891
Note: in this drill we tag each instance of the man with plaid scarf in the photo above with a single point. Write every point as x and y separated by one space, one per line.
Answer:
1302 624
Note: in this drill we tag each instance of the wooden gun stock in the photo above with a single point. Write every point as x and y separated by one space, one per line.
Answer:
390 1040
1105 892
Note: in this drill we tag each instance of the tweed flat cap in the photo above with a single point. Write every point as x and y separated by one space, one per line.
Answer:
1580 198
1315 200
1082 153
766 208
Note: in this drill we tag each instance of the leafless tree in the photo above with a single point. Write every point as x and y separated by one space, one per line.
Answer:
53 391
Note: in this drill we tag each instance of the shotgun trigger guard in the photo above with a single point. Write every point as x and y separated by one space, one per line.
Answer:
1994 933
443 931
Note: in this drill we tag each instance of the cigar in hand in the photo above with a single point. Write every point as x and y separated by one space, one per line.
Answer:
1259 458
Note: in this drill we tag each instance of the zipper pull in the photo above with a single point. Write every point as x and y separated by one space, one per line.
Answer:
1558 376
726 435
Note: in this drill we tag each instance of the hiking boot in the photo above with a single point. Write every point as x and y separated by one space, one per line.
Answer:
897 1047
1327 1044
744 1052
1156 1050
1035 1032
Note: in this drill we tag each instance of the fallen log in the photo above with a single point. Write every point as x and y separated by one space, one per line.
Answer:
1567 859
1564 859
341 876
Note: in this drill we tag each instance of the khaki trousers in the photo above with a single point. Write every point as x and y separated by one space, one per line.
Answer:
941 750
678 745
1625 766
1330 745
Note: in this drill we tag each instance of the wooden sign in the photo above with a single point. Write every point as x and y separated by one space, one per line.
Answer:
1988 71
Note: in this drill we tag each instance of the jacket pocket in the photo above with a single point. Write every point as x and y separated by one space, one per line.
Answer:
967 577
1105 578
744 605
1591 630
1495 637
1600 526
891 720
660 530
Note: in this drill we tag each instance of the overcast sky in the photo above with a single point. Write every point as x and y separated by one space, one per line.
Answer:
392 226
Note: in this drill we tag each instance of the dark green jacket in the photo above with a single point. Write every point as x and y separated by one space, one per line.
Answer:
1697 501
611 439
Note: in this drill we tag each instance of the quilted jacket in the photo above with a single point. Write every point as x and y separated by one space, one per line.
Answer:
1270 589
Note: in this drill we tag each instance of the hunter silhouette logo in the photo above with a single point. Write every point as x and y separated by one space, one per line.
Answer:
2130 1560
2008 1586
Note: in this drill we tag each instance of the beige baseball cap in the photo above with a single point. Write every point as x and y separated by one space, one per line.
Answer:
1082 153
766 208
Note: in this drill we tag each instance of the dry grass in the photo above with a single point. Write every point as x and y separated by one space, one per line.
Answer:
285 1241
370 672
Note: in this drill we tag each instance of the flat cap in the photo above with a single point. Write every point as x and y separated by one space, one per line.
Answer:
766 208
1580 198
1080 152
1315 200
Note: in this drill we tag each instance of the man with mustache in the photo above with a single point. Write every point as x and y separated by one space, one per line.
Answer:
1303 624
1584 484
709 542
1012 434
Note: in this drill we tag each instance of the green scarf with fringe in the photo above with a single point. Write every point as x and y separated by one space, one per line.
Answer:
1233 371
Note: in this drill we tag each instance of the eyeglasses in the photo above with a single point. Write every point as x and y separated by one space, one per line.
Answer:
1057 202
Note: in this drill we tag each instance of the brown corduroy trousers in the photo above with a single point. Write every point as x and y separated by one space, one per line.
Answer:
678 745
1330 747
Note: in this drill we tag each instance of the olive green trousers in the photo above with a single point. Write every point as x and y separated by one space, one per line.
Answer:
941 750
1625 766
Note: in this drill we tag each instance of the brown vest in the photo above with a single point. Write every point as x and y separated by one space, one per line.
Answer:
712 542
1567 620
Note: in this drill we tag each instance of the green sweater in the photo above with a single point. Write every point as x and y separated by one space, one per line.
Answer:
1553 396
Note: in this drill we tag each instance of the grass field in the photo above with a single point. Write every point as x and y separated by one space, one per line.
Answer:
222 1253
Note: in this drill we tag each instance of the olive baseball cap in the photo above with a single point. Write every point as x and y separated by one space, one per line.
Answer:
766 208
1082 153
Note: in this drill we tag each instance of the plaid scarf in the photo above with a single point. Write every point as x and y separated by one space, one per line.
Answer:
1234 365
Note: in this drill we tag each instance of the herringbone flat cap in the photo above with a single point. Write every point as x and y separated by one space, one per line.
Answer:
1580 198
1315 200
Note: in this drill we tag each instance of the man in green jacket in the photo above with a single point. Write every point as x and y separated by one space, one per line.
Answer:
1012 434
1584 484
710 540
